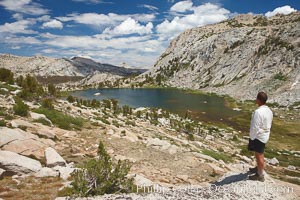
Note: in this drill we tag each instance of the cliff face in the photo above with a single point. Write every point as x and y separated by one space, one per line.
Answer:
238 57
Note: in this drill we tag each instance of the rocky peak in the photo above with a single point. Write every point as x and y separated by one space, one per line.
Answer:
238 57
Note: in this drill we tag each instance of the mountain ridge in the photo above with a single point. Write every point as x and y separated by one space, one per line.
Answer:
47 66
236 57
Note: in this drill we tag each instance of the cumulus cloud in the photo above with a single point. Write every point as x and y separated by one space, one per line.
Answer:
182 6
280 10
129 26
18 27
96 19
24 6
201 15
55 24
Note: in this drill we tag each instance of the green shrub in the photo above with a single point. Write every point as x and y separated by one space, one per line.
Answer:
101 176
6 76
2 122
235 138
217 155
71 99
280 77
20 108
43 121
132 123
60 119
105 121
47 103
52 90
191 137
31 88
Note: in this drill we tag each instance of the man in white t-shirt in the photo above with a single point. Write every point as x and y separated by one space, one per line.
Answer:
261 123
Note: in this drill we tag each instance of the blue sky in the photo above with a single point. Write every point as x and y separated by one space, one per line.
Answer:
134 32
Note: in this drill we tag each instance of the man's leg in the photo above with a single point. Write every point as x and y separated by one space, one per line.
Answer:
260 163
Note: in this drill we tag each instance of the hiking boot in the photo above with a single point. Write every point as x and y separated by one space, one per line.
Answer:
257 177
252 170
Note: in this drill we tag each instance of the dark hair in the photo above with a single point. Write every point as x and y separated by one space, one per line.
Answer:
262 97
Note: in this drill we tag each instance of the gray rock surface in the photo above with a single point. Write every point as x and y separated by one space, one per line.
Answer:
18 164
19 141
2 172
64 172
237 57
37 116
46 172
53 158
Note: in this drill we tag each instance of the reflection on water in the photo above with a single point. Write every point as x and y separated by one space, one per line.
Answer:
202 107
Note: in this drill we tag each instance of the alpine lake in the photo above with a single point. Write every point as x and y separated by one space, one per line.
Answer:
222 111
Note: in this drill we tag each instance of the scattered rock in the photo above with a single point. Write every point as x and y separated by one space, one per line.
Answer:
36 116
2 173
158 144
53 158
173 149
64 172
122 158
163 121
183 177
43 131
216 169
18 164
272 161
15 92
4 89
205 157
27 147
141 181
20 123
291 167
110 132
19 141
209 137
46 172
8 135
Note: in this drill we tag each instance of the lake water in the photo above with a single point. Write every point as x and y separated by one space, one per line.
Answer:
208 108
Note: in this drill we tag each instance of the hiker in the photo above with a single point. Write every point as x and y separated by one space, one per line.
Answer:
259 135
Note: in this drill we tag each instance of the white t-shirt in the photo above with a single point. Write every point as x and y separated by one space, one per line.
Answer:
261 123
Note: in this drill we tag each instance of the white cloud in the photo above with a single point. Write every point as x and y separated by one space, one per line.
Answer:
280 10
53 24
182 6
21 40
24 6
150 7
202 15
129 26
91 1
15 47
43 18
17 16
96 19
18 27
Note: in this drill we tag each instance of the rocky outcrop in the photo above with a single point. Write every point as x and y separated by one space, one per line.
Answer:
53 158
17 164
238 57
25 143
